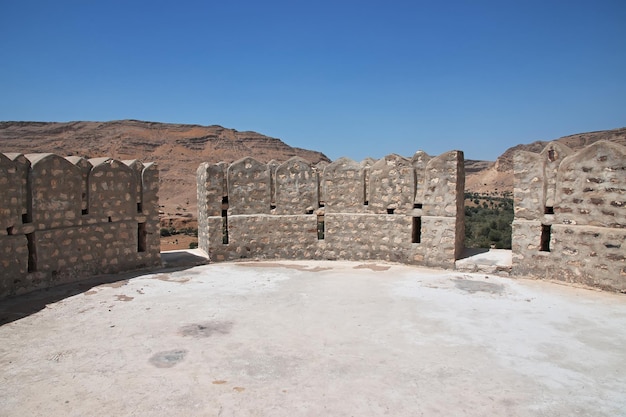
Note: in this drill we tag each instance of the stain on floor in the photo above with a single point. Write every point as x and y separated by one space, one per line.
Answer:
373 267
168 358
206 329
472 286
281 265
168 278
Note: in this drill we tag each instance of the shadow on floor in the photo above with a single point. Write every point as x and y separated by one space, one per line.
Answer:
469 252
17 307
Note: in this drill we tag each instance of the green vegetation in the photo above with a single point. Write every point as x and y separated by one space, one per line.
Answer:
170 231
488 219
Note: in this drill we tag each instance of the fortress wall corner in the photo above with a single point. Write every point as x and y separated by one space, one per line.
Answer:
570 216
57 233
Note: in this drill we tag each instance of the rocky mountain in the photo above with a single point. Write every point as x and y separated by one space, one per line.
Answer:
177 149
497 176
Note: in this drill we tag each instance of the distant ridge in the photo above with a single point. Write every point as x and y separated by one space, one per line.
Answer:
178 149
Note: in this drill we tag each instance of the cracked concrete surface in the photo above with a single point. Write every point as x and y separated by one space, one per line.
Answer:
315 338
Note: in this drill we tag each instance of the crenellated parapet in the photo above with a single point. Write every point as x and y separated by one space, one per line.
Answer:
397 209
63 219
570 215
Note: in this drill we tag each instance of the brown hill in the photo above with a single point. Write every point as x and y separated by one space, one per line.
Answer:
177 149
498 176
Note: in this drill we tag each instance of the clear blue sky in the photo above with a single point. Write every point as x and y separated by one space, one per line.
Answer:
348 78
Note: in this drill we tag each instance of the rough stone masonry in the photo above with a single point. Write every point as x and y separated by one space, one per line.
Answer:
394 209
64 219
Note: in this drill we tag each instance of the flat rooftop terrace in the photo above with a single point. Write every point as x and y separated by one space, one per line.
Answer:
312 338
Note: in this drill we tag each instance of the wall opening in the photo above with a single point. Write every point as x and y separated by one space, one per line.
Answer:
225 220
142 242
417 205
548 210
25 218
320 227
225 227
139 207
546 231
10 230
110 219
390 211
416 231
84 212
32 253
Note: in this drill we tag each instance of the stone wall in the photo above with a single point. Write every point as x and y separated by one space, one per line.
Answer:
570 215
396 209
63 219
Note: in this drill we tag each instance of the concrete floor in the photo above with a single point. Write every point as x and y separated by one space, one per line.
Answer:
303 338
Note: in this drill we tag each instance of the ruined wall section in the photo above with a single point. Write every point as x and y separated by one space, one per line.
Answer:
570 215
350 210
63 219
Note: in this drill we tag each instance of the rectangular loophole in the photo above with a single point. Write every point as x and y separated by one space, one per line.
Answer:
25 218
139 207
390 211
320 228
224 227
141 237
416 231
10 230
32 253
84 212
548 210
546 231
417 205
110 219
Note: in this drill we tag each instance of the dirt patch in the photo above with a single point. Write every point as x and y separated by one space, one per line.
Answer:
472 286
373 267
287 266
169 358
115 284
123 297
206 329
165 277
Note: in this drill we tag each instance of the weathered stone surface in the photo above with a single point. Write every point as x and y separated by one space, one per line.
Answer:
444 177
391 185
592 187
10 195
552 156
529 191
57 233
248 187
112 190
56 192
344 187
296 187
420 162
388 227
85 168
581 237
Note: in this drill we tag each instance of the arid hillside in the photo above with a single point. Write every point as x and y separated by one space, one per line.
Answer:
177 149
482 177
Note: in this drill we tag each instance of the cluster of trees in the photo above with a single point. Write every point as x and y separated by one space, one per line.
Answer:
488 219
171 231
